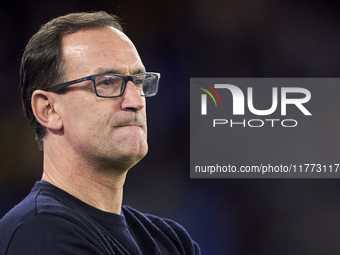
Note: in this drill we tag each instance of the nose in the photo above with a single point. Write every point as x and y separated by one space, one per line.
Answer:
131 98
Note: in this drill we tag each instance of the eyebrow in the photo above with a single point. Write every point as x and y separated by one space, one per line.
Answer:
117 71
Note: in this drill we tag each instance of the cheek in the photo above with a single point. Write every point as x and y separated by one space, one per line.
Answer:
80 115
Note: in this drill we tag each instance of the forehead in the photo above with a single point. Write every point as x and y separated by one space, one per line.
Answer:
107 48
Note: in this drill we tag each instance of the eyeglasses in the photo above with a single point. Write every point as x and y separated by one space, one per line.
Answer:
113 85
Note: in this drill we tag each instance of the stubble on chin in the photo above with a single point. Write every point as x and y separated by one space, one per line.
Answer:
124 152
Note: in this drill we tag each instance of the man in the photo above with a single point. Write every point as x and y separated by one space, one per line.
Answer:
83 90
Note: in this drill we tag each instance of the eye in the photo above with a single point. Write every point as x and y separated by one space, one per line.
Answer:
108 81
138 81
105 82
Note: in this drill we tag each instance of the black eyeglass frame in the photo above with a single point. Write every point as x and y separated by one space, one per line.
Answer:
60 86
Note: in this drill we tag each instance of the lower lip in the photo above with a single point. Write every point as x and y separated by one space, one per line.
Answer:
130 127
131 130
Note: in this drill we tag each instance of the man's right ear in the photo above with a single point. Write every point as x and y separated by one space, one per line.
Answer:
44 110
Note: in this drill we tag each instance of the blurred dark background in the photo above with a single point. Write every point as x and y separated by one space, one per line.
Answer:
183 39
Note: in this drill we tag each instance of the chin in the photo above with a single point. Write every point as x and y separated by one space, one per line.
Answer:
125 152
128 158
125 163
137 156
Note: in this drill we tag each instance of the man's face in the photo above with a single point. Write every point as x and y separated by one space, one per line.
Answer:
107 131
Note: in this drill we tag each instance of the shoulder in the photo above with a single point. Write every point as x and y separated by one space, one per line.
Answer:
43 221
162 228
27 210
45 233
9 224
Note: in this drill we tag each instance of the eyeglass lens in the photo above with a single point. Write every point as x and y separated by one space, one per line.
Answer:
111 85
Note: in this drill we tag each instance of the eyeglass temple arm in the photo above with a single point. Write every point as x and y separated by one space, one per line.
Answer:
66 84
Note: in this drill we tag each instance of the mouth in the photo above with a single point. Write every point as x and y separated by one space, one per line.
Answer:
130 125
131 121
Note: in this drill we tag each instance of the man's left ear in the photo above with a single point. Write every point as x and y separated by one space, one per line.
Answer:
43 106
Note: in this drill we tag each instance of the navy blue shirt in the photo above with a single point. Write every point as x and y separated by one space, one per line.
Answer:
51 221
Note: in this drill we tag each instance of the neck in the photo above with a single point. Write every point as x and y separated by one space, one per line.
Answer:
102 189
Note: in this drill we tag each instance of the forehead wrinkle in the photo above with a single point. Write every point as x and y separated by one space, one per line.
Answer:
137 70
131 71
